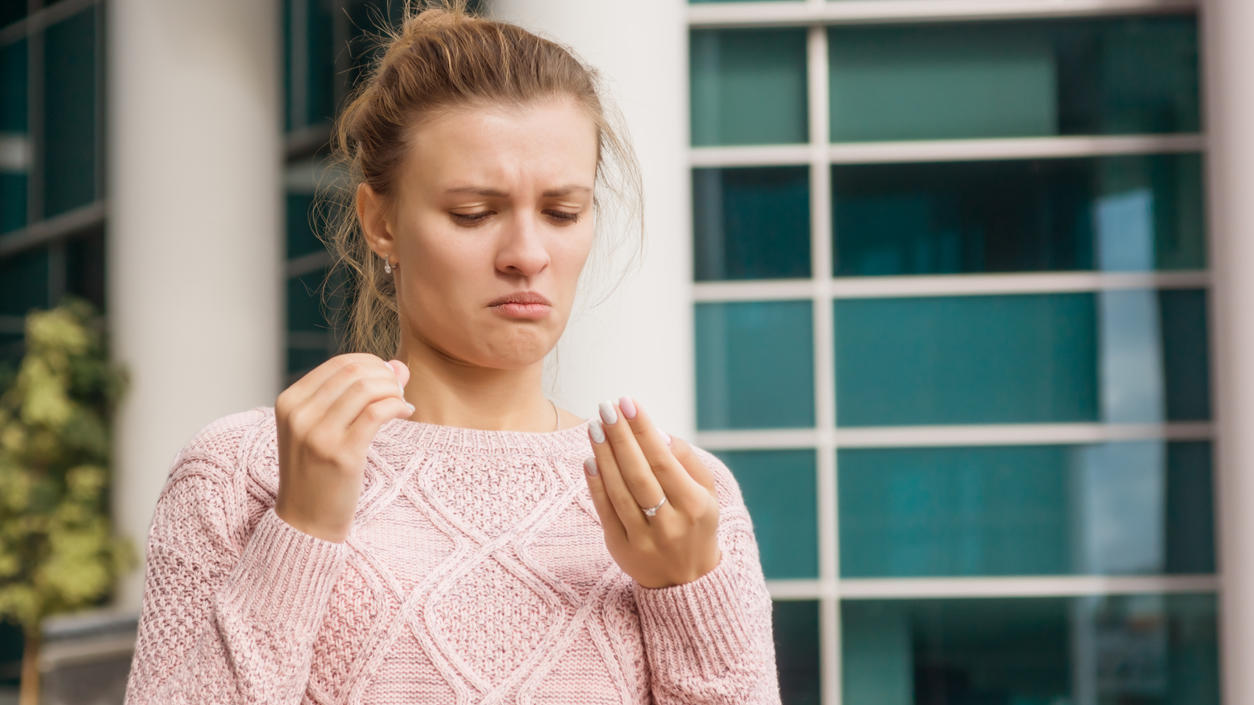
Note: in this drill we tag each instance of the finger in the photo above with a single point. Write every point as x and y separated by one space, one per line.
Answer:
355 394
693 464
601 502
356 384
621 499
362 430
632 463
305 387
683 491
402 373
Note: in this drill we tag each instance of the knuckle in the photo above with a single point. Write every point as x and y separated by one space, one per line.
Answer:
298 420
374 412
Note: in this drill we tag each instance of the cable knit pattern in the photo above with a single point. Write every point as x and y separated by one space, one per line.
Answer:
475 572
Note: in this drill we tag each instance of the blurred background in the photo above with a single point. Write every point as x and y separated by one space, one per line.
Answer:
954 287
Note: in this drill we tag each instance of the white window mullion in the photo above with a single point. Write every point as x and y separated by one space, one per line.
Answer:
951 285
951 150
1024 586
939 436
852 12
824 358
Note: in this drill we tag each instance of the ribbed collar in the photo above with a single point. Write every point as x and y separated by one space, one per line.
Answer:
418 434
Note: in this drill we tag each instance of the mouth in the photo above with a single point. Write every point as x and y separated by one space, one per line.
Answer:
522 305
522 298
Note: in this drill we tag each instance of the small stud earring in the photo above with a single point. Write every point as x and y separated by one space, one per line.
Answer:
387 266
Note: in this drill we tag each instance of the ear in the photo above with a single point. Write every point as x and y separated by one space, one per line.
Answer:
372 214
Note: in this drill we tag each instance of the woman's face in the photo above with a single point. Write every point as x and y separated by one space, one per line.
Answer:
490 202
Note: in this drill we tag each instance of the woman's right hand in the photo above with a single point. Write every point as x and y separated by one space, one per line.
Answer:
326 422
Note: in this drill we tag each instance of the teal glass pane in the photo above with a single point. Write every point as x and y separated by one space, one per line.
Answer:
366 19
796 628
12 348
751 223
748 86
1134 508
13 80
1107 650
12 200
308 62
1014 79
1124 213
85 268
301 360
14 135
754 365
1185 354
300 236
1133 356
24 282
304 303
11 11
779 490
71 105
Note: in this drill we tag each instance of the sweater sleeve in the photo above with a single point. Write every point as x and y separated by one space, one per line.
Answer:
227 616
710 641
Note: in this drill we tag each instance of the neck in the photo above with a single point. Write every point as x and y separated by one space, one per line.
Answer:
453 393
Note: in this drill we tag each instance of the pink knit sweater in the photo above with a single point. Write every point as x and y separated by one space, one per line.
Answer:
475 572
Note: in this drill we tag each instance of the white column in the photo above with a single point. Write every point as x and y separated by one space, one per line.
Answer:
195 288
1228 46
639 341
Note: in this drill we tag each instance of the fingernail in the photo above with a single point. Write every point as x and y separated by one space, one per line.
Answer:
628 406
595 430
411 407
590 466
607 412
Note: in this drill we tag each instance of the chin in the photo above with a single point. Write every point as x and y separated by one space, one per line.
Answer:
518 350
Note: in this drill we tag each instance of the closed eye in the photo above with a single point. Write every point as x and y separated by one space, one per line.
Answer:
470 217
563 215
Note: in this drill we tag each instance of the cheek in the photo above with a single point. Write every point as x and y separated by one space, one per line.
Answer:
572 254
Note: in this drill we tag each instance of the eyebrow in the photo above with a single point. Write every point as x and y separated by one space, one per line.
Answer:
493 193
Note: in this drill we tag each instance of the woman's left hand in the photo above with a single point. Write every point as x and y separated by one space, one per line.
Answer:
635 466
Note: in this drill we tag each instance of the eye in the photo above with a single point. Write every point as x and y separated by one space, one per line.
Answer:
470 218
564 216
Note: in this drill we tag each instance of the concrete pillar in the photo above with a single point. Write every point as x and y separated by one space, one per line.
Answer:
194 243
1227 29
639 341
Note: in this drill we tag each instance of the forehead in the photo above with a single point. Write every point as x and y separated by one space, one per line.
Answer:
535 144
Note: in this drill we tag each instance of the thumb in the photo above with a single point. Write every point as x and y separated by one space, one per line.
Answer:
402 371
696 468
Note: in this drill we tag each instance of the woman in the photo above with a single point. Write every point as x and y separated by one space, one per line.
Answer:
417 522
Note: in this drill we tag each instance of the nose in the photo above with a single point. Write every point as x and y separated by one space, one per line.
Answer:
522 249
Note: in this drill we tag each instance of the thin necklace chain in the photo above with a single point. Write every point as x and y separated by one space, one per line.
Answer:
557 418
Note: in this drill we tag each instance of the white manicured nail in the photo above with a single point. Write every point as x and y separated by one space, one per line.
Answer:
595 430
607 412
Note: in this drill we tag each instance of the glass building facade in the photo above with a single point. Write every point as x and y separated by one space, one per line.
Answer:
51 160
951 292
951 302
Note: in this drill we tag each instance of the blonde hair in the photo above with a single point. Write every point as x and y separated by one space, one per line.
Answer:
442 57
